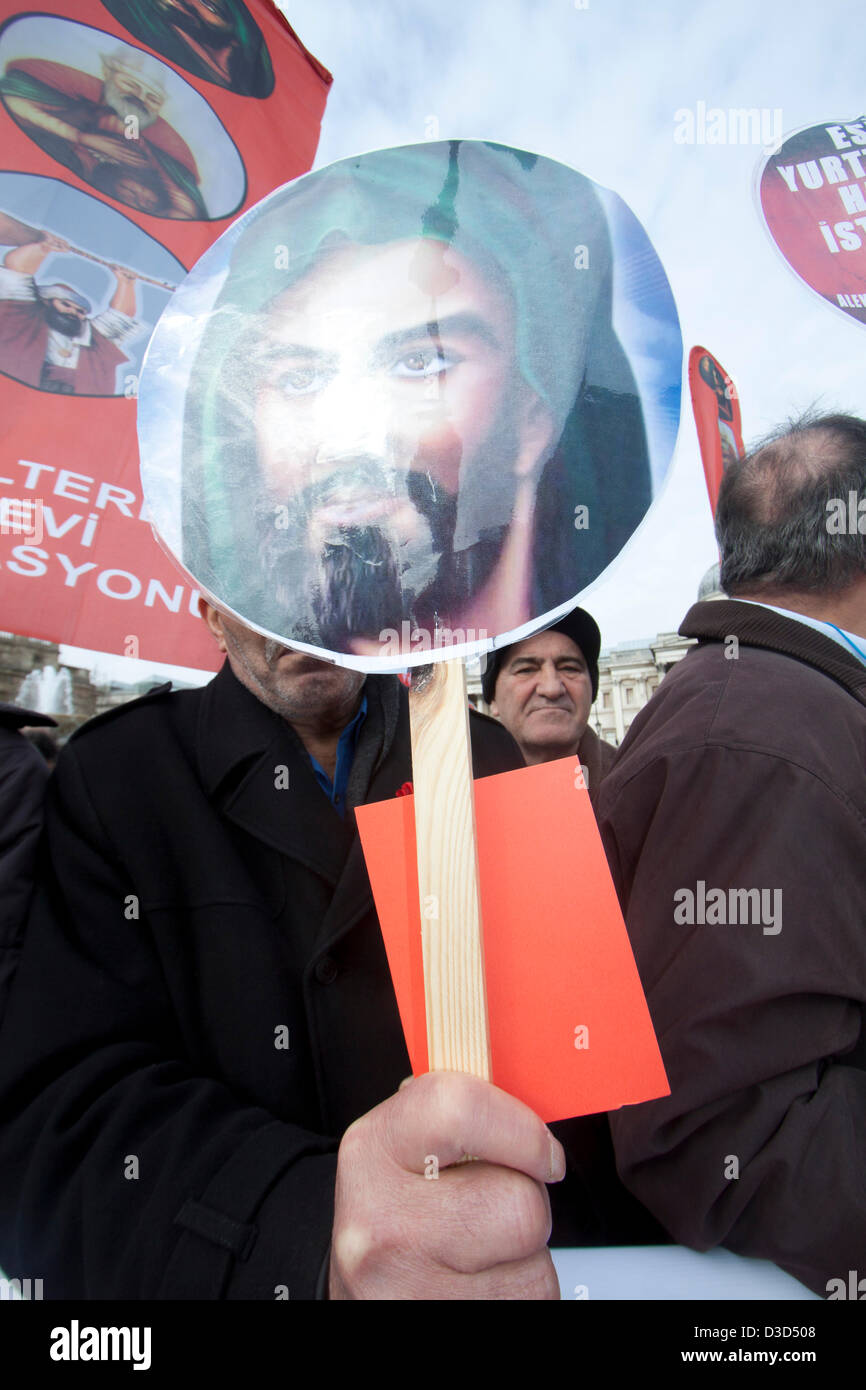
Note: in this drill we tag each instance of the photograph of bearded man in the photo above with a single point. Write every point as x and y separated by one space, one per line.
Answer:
50 336
403 391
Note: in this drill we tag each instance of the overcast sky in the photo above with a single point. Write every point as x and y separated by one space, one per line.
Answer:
598 87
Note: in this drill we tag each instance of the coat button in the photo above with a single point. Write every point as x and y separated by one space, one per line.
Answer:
326 970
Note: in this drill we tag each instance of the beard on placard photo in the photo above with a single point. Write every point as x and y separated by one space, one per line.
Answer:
70 325
126 104
334 582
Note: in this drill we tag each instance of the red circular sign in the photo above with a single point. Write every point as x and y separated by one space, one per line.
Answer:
813 197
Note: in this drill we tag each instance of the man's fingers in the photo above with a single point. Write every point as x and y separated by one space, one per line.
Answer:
443 1116
470 1230
488 1216
522 1280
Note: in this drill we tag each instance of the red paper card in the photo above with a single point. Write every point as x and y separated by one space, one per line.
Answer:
570 1032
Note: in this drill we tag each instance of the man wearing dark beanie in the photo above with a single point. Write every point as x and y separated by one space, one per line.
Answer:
542 690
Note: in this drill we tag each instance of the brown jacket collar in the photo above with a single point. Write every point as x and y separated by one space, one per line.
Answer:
596 757
756 626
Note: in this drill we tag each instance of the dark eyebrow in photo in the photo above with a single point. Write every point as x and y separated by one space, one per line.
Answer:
466 325
268 352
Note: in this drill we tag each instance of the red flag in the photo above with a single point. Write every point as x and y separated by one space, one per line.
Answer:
717 415
133 134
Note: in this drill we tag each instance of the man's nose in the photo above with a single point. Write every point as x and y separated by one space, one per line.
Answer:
351 419
550 683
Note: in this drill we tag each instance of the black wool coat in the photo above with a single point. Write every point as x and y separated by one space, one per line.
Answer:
23 774
203 1005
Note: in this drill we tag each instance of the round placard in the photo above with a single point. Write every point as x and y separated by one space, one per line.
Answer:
412 404
812 193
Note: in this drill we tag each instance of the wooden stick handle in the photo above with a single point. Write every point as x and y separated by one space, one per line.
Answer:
14 232
100 260
457 1034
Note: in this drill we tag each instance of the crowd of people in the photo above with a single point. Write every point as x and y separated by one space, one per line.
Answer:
203 1078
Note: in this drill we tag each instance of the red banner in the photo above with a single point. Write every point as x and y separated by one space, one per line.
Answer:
717 415
813 196
133 134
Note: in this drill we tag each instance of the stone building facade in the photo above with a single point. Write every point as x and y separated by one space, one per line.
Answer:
628 675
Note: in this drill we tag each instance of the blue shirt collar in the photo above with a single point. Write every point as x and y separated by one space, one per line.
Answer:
346 747
849 640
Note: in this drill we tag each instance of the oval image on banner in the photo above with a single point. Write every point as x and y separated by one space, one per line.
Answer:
122 120
81 287
413 402
813 198
217 40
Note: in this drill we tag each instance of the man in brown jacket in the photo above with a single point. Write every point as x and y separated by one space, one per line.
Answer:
734 821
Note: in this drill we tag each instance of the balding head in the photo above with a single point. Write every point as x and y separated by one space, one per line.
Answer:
776 504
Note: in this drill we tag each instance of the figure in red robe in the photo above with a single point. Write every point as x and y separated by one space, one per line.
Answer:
109 133
48 338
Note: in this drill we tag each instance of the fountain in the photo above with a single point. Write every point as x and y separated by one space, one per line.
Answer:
48 690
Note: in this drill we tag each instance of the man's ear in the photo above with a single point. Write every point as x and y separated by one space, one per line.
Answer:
494 709
213 618
535 431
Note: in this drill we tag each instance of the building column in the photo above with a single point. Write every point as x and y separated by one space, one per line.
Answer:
617 710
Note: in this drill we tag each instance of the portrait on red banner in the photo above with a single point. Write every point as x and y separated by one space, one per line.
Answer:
50 336
119 118
121 163
217 40
75 316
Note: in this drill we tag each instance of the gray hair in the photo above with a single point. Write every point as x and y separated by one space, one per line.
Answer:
774 506
128 59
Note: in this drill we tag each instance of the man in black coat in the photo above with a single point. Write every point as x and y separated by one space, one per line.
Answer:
204 1007
23 774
